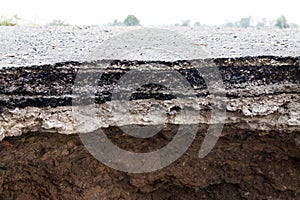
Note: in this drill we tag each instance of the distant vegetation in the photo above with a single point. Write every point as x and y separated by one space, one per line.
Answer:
116 23
197 24
186 22
246 22
281 22
262 23
131 20
58 22
9 21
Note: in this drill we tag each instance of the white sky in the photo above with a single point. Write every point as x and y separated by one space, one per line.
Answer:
150 12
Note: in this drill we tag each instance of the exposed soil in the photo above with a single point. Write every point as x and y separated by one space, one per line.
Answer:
243 165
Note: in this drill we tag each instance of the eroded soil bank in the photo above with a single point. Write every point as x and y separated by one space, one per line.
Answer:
243 165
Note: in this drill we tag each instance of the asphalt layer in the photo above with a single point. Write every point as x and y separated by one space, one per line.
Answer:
52 85
26 46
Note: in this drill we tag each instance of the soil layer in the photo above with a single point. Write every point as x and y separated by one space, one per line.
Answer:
243 165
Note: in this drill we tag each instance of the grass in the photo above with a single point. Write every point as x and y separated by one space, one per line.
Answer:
9 21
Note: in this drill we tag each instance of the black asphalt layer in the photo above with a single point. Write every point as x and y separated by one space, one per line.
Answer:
52 85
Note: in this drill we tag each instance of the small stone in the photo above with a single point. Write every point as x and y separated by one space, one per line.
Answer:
24 57
44 157
246 193
293 122
9 55
297 141
70 143
65 152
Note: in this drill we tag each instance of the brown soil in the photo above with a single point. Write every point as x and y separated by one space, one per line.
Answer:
243 165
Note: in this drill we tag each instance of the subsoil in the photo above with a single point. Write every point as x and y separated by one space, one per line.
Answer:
242 165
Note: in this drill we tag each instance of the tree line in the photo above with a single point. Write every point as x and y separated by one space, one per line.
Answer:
245 22
132 20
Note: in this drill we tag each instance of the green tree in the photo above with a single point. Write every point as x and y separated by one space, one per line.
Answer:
281 22
197 24
245 22
186 22
131 20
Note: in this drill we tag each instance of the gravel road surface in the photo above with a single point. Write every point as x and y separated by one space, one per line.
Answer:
22 46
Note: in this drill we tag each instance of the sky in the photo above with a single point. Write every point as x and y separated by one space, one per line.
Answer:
149 12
